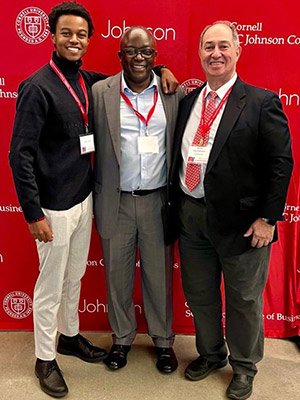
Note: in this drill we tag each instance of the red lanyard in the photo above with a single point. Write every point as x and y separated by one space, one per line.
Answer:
139 115
206 127
84 112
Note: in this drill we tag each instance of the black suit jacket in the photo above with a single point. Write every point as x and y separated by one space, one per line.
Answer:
249 166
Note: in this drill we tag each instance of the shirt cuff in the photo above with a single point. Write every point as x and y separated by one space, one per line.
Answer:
270 221
36 220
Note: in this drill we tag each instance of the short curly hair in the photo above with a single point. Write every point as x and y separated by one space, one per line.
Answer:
69 8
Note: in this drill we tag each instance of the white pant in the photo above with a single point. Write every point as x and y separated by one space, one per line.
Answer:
62 265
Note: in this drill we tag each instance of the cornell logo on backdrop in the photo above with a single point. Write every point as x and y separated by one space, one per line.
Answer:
159 33
190 84
32 25
17 305
291 213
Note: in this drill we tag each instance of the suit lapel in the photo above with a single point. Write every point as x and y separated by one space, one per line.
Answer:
185 108
168 118
112 106
234 106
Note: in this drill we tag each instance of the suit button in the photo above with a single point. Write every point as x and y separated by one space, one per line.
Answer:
118 190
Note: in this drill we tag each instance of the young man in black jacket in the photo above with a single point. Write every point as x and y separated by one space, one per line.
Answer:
50 160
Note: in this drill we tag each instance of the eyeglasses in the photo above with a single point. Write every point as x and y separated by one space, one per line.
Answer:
133 52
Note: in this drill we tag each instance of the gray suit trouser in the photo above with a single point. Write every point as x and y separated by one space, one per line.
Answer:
244 276
139 223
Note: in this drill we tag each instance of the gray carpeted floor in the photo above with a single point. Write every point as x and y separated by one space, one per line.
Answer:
278 377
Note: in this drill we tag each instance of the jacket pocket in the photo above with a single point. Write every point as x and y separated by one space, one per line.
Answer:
247 203
97 187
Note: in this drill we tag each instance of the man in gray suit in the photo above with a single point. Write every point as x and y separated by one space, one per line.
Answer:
134 125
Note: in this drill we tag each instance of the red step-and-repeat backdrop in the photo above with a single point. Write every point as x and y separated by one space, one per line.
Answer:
270 36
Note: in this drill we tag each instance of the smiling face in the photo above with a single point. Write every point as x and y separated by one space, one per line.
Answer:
218 55
137 68
71 37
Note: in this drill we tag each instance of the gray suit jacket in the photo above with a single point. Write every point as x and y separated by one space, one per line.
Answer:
107 162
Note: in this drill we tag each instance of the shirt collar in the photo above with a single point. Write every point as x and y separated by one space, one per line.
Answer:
223 89
125 87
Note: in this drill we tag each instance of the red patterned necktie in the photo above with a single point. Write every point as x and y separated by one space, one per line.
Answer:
192 174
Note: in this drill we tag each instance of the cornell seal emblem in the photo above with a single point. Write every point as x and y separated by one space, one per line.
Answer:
17 305
32 25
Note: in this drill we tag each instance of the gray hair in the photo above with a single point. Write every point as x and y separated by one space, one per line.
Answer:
235 36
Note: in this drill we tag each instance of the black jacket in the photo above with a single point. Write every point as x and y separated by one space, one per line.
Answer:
249 166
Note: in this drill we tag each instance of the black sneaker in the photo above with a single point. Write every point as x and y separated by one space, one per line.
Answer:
240 387
201 368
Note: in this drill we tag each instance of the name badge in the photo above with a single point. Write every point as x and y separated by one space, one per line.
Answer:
148 144
87 144
198 154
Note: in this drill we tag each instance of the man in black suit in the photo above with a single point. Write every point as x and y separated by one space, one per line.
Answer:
230 174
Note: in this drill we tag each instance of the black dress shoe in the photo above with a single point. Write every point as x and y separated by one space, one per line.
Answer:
51 379
80 347
240 387
166 359
117 356
201 368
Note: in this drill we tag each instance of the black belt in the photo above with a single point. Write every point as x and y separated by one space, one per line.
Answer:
199 200
137 193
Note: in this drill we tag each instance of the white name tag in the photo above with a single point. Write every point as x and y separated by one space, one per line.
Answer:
147 144
87 144
198 154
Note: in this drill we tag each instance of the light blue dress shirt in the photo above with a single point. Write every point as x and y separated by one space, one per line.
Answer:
147 170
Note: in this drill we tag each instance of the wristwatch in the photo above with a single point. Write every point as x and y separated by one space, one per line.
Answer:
270 221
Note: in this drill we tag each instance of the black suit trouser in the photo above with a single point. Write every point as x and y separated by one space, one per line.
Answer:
244 275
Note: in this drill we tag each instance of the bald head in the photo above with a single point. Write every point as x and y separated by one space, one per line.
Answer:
137 55
138 32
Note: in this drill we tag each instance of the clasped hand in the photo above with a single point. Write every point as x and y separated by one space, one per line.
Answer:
262 233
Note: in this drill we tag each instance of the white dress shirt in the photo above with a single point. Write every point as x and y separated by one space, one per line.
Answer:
190 130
